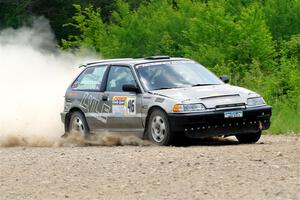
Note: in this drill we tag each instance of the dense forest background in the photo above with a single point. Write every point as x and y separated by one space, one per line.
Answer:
255 42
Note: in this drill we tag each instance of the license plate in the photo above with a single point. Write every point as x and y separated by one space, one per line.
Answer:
233 114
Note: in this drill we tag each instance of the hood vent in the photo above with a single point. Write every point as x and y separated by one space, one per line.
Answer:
219 96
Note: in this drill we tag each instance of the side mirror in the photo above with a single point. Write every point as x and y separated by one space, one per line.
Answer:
224 78
130 88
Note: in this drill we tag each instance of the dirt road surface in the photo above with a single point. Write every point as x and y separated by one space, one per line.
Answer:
215 169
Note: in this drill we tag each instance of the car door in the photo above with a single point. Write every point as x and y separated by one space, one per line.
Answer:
125 112
87 92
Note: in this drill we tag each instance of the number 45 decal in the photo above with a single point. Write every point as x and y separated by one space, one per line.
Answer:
131 106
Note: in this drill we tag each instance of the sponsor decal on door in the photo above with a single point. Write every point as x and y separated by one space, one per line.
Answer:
123 105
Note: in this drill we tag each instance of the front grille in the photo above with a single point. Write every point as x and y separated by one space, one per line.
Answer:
231 106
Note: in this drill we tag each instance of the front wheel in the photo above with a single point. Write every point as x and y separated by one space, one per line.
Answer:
248 138
159 129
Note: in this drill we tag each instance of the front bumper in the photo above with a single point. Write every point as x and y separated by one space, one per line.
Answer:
200 125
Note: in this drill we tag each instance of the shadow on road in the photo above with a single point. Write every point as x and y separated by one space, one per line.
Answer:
213 141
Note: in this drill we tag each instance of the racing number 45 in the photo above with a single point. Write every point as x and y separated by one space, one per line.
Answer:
131 106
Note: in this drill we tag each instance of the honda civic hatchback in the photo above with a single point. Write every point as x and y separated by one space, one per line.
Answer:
162 99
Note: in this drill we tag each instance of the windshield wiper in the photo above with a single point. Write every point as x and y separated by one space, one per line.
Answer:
166 88
203 84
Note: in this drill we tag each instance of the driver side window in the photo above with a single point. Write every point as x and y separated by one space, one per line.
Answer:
119 76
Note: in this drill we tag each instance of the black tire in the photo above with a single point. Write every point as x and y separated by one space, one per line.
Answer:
79 124
158 129
248 138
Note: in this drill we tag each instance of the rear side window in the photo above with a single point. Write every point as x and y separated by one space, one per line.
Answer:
90 79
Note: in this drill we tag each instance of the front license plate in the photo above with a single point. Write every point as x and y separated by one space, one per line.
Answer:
233 114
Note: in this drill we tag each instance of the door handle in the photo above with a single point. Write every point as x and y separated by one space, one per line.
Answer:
104 98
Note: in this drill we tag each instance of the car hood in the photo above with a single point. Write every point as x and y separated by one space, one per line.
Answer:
211 96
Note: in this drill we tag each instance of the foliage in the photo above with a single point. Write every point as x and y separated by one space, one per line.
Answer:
283 17
15 13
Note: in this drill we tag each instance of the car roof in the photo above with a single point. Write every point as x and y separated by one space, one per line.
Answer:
132 61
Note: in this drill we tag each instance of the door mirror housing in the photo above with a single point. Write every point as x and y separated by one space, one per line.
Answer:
130 88
225 78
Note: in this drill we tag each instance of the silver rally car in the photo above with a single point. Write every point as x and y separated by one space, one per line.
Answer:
162 99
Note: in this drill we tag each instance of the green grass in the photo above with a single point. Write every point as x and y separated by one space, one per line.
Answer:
285 118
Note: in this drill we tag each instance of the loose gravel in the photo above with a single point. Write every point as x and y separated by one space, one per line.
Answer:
214 169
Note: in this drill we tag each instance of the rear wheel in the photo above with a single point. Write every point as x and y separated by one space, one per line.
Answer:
159 129
78 124
248 138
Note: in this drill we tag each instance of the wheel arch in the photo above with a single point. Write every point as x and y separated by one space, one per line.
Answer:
150 110
68 117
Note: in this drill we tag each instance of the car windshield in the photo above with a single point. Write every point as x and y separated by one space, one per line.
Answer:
176 74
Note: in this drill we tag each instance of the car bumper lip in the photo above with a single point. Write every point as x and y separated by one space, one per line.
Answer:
63 116
207 124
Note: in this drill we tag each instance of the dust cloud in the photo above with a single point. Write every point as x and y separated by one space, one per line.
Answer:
74 139
34 75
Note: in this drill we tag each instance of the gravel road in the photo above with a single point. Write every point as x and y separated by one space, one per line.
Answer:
217 169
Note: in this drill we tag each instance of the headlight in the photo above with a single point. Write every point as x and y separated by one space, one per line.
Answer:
257 101
198 107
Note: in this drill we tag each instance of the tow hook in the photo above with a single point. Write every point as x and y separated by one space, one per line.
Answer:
260 125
